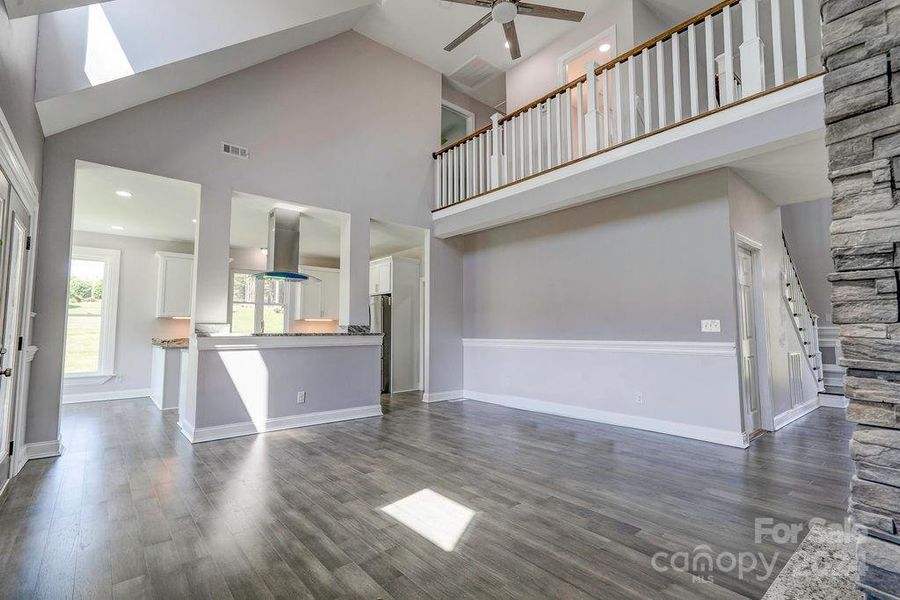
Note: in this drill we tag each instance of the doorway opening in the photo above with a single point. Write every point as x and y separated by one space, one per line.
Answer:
752 347
130 287
398 303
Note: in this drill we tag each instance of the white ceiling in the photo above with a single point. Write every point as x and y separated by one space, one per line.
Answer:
159 208
797 173
26 8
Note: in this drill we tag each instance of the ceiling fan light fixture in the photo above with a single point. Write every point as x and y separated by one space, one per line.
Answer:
504 12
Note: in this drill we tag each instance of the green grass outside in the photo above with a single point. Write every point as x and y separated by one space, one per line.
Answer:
83 338
242 318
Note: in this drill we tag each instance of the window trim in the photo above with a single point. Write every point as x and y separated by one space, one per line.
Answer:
259 305
111 259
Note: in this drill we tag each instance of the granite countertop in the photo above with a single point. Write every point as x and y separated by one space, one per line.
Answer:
352 330
170 343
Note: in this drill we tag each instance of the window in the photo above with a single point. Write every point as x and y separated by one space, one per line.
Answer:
91 315
456 122
258 306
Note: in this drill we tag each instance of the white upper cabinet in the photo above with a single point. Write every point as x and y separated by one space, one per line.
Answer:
380 276
175 275
318 299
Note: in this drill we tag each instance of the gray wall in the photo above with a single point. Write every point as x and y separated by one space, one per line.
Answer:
481 110
345 124
136 322
641 266
807 230
18 49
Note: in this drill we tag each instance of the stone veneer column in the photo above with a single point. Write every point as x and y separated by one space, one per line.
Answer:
861 40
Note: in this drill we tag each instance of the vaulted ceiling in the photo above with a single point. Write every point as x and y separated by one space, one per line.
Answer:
100 59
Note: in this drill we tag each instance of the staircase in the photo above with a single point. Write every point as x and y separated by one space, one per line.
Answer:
805 321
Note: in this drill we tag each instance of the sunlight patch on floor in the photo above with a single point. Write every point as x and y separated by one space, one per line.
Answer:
435 517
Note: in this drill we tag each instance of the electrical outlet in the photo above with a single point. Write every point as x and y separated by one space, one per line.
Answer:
639 397
710 326
301 397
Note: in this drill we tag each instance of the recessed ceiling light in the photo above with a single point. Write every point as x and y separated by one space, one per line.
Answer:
605 47
265 251
123 194
193 220
117 227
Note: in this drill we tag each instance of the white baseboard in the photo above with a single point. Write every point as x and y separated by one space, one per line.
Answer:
789 416
43 449
105 396
219 432
833 401
443 396
695 432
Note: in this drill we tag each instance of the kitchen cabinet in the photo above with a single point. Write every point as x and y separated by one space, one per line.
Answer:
380 276
175 275
318 299
165 377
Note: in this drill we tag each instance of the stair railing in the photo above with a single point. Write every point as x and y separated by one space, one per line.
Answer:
805 320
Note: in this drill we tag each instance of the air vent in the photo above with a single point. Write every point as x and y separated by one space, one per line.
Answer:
235 151
474 73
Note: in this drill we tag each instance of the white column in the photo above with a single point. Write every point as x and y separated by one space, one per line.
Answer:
753 76
354 278
592 115
495 150
211 269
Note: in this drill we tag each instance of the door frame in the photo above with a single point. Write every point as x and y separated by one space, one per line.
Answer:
467 114
756 250
12 161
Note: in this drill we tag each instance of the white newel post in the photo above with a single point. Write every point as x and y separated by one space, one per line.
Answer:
592 115
753 75
496 154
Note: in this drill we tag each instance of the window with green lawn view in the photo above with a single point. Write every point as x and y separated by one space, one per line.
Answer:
258 306
90 321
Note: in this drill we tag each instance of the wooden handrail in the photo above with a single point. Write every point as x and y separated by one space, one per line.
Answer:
710 12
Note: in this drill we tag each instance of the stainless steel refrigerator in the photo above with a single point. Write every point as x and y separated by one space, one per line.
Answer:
380 322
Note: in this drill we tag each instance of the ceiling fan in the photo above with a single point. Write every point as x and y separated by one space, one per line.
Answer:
505 12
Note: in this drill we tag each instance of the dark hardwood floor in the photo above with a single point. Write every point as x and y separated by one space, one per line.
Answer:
563 508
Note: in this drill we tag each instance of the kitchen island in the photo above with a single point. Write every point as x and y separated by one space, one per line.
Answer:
245 384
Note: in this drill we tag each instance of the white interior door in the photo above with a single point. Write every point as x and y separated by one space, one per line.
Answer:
16 224
748 346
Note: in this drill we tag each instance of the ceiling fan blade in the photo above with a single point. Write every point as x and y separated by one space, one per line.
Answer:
482 3
549 12
512 39
469 32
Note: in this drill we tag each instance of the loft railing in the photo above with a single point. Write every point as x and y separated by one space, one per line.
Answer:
733 52
805 321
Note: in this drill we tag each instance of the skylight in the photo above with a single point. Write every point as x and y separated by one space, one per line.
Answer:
104 58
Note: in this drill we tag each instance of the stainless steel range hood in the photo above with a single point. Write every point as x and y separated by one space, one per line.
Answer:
283 259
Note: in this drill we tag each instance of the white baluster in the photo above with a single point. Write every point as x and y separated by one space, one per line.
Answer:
800 29
645 68
511 149
567 123
753 76
579 111
520 121
618 113
710 64
539 118
676 77
777 50
592 115
495 151
661 82
504 152
728 57
606 99
632 97
555 157
530 114
692 69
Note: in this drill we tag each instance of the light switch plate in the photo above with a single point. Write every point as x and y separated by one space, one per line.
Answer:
301 397
711 326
